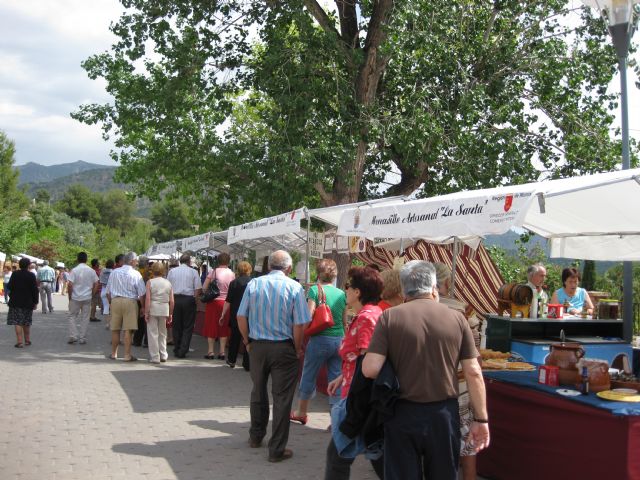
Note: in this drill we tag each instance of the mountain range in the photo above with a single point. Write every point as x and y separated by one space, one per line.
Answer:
56 179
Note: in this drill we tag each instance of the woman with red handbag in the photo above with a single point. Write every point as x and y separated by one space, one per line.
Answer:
325 340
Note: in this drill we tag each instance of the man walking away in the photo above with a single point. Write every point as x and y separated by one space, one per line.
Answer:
95 300
274 310
422 439
46 276
82 284
125 289
186 288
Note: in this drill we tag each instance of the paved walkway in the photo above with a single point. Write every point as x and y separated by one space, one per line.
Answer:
67 412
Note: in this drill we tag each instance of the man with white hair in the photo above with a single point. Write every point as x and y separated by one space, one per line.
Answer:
422 439
125 290
271 319
536 275
46 276
83 283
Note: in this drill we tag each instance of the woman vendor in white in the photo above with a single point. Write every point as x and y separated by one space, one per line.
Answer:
576 297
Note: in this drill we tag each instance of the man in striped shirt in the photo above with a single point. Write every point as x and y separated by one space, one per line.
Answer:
125 288
272 316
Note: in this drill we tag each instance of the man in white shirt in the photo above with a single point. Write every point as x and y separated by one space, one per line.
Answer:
83 283
46 276
187 286
125 290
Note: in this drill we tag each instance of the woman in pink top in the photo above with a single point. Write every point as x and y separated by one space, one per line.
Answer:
215 324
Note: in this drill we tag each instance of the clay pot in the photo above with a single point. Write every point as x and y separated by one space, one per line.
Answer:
565 356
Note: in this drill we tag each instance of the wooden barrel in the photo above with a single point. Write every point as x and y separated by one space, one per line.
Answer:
517 293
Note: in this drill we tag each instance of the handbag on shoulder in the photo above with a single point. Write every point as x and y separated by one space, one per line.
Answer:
212 292
322 316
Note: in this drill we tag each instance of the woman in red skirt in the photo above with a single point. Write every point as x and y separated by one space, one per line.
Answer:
216 325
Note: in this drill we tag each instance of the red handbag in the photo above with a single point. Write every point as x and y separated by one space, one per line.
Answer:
322 316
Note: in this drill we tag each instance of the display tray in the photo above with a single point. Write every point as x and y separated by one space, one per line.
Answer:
618 397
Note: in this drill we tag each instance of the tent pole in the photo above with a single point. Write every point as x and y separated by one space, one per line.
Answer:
307 273
401 246
452 288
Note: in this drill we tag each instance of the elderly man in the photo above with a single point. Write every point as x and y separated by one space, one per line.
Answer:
536 275
82 284
272 316
422 439
46 276
125 290
186 288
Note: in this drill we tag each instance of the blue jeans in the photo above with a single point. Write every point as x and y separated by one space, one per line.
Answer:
320 350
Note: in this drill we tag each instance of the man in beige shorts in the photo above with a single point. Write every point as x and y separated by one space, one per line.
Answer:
125 288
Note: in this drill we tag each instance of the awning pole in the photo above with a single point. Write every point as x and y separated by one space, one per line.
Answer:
452 288
307 273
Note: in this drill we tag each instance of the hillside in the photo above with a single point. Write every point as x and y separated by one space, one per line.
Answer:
95 179
36 173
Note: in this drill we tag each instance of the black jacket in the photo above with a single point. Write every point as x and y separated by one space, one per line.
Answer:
23 289
370 403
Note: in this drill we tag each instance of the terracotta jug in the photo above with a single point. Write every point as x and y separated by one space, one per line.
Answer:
565 356
598 371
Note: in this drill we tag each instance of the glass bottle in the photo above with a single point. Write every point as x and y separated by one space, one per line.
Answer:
584 388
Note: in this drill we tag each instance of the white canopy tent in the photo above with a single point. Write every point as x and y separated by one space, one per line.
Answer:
591 217
595 217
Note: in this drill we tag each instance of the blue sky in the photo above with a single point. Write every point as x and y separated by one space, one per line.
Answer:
42 43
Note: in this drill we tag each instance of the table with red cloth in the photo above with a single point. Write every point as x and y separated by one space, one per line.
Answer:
537 433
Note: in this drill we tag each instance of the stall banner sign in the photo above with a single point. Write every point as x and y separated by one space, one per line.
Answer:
441 216
166 247
329 241
342 244
267 227
197 242
316 244
357 244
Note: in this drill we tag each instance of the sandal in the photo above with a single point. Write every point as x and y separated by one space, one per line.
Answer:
111 357
210 356
220 357
18 345
130 359
301 419
27 343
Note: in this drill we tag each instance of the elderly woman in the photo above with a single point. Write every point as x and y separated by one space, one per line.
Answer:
363 294
322 348
392 292
23 301
577 298
231 306
467 449
158 310
216 325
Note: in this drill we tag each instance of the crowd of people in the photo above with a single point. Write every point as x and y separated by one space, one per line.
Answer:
397 337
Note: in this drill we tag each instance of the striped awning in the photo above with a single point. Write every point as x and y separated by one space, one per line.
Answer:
477 278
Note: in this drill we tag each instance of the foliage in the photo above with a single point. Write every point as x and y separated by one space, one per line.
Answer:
253 108
45 249
42 214
588 281
172 219
13 232
137 238
81 203
75 231
116 209
12 200
42 196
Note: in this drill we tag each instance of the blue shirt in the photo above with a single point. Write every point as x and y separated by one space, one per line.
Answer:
273 303
126 282
577 301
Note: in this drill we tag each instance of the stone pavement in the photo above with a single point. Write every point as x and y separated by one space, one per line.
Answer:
67 412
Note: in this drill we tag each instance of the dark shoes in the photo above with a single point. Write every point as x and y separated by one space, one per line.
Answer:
285 455
220 357
209 356
255 443
94 319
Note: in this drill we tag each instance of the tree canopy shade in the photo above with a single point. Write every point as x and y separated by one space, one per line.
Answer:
12 200
254 108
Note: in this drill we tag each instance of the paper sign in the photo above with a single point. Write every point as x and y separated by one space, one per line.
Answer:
316 244
357 244
267 227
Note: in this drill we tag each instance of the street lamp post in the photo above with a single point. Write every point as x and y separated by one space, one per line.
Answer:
619 14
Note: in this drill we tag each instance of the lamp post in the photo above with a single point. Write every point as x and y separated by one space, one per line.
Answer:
619 14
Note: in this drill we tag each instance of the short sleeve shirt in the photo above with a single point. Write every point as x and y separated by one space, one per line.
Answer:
82 278
424 341
337 301
357 338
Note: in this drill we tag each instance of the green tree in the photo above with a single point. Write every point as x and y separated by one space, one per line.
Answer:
138 237
13 232
81 203
588 281
273 104
42 196
76 233
116 209
12 200
171 219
